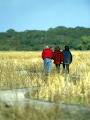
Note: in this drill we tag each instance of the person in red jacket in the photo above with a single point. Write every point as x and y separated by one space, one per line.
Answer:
47 55
58 58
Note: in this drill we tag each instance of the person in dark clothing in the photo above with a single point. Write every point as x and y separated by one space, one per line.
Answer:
67 59
58 58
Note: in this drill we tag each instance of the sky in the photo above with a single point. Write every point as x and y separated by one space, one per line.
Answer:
23 15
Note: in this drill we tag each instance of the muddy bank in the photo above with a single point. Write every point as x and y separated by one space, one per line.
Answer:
17 97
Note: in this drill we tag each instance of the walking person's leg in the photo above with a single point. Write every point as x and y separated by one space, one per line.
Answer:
57 67
45 66
49 65
64 67
67 68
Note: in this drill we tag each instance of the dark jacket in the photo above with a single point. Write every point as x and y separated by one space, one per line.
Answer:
67 57
58 57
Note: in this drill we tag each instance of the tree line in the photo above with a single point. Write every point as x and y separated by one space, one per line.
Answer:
77 38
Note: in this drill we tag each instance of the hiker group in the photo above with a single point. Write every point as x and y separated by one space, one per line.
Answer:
59 57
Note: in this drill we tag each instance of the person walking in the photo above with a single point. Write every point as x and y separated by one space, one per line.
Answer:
58 58
47 55
67 59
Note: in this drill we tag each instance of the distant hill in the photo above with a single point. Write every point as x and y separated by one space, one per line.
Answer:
77 38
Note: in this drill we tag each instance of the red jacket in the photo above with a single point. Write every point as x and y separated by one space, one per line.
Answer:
58 57
47 53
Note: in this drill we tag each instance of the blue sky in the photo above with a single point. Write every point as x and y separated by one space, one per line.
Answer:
43 14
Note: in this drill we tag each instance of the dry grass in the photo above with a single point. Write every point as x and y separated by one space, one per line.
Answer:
25 69
30 113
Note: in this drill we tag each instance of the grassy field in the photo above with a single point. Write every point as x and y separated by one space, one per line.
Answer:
30 113
25 69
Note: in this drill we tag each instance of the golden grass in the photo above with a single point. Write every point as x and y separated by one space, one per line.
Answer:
30 113
25 69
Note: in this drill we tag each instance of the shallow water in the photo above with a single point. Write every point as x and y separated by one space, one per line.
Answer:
14 96
17 96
